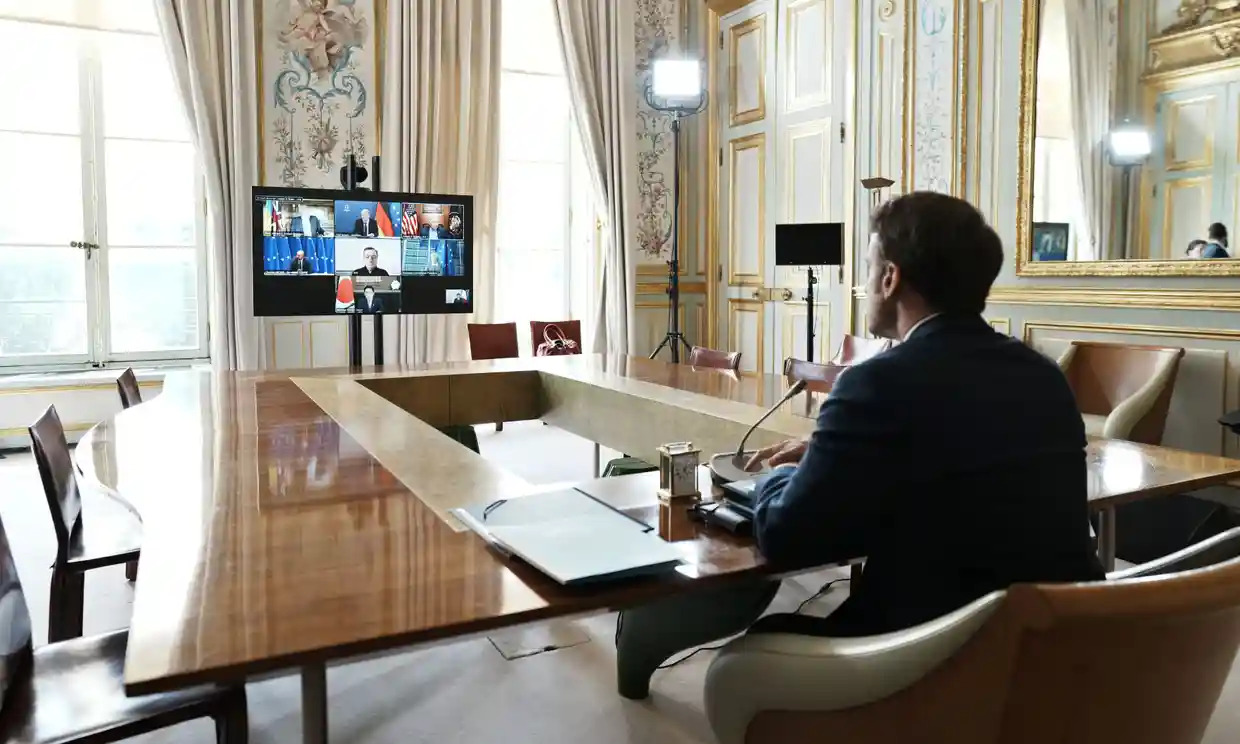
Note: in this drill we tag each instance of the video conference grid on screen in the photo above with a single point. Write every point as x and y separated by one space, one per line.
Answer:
371 248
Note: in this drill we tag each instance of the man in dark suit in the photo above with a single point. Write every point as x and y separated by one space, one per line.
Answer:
370 263
370 304
365 227
954 462
434 232
300 263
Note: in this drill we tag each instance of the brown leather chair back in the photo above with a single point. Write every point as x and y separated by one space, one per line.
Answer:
127 386
493 341
818 377
1138 661
857 349
51 453
1103 375
571 329
700 356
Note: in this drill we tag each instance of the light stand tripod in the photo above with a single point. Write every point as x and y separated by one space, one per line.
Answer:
809 314
674 337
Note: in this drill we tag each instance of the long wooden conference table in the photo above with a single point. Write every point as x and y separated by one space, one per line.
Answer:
296 519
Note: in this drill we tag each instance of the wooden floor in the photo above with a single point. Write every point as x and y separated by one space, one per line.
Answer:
564 696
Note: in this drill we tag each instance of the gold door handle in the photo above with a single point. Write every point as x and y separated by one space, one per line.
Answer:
787 295
757 294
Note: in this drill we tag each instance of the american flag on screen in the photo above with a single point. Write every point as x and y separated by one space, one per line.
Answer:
409 224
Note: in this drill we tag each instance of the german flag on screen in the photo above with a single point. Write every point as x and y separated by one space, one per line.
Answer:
384 222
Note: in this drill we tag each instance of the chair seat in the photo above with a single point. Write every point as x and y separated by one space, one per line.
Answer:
1094 424
102 539
75 690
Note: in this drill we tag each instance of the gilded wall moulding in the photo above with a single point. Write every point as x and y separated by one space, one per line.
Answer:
886 10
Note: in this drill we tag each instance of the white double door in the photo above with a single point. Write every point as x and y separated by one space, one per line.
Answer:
781 84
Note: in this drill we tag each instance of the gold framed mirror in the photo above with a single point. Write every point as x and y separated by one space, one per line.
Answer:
1129 138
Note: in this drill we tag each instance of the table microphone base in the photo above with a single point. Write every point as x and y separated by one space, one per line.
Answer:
728 467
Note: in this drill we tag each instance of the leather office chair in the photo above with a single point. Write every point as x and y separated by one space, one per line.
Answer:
1137 660
73 692
700 356
857 349
571 329
106 543
493 341
1123 391
819 377
127 386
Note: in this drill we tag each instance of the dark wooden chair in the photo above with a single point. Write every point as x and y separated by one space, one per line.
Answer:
571 329
73 692
106 543
493 341
700 356
818 377
127 386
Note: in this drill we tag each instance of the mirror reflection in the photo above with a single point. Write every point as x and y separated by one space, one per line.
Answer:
1136 151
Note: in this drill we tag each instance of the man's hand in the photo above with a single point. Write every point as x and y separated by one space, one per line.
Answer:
787 451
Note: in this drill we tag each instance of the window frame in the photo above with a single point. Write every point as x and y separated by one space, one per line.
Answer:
92 139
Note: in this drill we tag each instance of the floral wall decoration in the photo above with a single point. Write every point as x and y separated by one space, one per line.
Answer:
657 32
318 73
935 94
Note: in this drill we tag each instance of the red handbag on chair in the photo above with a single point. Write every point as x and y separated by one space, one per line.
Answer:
555 343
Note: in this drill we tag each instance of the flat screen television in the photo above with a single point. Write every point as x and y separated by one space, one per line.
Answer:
809 244
327 252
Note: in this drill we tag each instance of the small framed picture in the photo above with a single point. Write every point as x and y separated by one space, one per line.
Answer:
1050 241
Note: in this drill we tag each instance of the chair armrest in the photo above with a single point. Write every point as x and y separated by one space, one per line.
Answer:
760 671
1222 547
1132 409
1065 359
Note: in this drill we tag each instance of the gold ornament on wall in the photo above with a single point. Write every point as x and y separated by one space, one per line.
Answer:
887 10
1193 13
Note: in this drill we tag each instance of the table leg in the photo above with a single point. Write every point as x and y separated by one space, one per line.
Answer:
314 704
598 460
1106 538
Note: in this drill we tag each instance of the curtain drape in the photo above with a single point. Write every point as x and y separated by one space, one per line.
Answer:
206 44
596 38
1091 123
441 135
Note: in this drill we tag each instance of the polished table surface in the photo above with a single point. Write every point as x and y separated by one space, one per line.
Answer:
294 518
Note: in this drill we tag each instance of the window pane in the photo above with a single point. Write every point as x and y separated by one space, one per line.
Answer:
533 209
42 301
531 285
154 299
150 193
530 40
120 15
41 90
140 99
533 118
40 189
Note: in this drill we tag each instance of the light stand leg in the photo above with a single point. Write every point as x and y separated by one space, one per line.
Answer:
809 315
673 339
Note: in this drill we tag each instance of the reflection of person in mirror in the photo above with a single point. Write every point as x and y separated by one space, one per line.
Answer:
370 256
299 262
1195 248
370 304
366 227
1216 242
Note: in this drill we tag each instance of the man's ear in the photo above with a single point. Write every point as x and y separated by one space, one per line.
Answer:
891 279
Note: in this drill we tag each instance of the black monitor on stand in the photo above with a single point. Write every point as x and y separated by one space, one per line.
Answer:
809 244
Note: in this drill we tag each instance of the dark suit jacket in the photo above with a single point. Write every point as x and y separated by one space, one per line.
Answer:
299 264
370 229
955 462
426 232
1214 250
362 307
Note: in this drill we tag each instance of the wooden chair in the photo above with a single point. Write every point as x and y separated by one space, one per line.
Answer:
819 377
107 542
1136 660
571 328
73 692
700 356
493 341
127 386
857 349
1123 390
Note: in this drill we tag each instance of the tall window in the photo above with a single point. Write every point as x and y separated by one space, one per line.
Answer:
545 258
100 192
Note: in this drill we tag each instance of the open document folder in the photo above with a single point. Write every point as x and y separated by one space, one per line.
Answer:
571 537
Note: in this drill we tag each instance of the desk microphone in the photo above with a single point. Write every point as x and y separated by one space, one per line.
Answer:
796 388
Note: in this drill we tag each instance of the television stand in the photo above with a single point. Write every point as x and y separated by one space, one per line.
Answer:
355 340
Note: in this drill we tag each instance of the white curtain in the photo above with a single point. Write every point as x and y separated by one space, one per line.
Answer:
441 135
596 37
1088 57
206 44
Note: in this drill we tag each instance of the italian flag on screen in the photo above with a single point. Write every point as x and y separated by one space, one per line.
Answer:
384 222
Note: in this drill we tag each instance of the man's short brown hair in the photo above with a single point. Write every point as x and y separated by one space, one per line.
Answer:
945 250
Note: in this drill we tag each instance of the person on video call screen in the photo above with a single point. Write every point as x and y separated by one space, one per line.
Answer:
455 229
299 262
366 227
370 255
434 232
370 303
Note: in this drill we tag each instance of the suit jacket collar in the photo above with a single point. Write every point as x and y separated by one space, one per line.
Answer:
947 322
